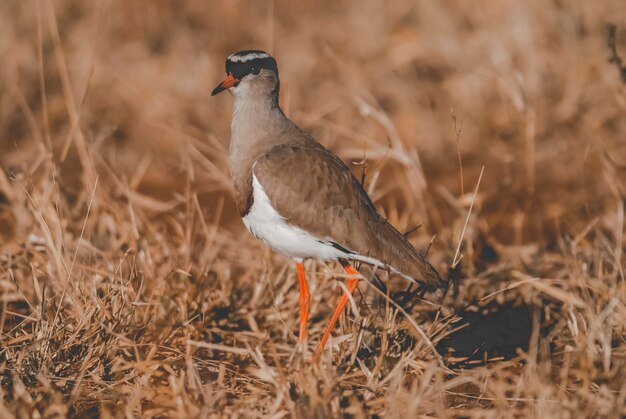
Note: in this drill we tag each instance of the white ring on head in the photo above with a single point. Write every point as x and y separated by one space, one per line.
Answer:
247 57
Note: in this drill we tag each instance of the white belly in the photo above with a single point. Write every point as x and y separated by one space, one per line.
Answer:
265 223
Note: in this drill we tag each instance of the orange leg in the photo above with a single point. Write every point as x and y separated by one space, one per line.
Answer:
351 284
304 301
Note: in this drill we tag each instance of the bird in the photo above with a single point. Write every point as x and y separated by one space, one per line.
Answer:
299 198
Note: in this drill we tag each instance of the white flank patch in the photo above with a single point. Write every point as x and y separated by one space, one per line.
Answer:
247 57
265 223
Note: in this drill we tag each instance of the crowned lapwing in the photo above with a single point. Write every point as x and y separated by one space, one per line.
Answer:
301 199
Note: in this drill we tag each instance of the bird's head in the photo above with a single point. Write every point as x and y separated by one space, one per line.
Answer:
250 73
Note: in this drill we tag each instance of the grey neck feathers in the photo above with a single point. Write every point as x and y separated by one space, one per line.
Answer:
255 117
258 125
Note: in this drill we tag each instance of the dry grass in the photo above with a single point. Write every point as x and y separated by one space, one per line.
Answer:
130 288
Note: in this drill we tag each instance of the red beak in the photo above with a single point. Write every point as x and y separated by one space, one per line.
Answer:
228 82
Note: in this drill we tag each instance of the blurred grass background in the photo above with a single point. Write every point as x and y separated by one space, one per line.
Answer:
130 287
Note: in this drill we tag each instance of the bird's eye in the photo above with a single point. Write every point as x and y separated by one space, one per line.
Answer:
256 71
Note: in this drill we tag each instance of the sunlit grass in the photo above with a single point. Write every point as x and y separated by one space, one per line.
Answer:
130 287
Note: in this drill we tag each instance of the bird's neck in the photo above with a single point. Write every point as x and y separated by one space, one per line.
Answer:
255 118
258 125
256 128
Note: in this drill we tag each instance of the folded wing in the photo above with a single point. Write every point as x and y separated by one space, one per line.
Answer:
327 201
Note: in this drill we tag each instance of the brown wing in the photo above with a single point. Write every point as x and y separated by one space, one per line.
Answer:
314 190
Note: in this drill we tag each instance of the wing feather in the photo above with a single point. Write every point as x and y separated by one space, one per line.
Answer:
314 190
